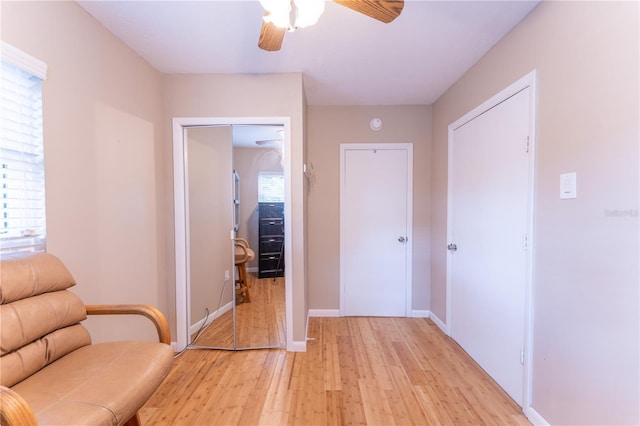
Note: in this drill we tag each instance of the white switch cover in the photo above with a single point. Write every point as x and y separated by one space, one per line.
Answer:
567 186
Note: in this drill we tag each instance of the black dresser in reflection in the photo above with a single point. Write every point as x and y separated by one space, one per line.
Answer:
271 241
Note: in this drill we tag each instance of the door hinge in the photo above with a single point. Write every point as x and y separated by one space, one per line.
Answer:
522 356
525 242
526 148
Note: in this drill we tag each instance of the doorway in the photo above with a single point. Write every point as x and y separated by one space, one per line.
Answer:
490 224
181 126
376 187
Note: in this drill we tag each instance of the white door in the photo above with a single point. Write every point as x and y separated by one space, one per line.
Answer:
489 197
375 228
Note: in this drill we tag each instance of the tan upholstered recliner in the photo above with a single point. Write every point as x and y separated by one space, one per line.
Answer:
50 372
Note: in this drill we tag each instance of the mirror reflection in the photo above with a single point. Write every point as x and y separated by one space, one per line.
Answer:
235 187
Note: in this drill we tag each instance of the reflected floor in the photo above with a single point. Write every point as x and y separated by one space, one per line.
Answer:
259 323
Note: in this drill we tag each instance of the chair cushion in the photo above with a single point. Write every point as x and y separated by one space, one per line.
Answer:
23 276
37 331
26 320
100 384
18 365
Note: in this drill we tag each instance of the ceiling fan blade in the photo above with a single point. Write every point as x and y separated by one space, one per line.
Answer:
269 142
270 36
381 10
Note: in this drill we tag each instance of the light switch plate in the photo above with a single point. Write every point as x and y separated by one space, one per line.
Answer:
568 186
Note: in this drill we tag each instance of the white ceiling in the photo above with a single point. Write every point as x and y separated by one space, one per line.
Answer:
346 58
246 136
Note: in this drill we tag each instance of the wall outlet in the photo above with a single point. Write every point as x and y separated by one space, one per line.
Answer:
227 277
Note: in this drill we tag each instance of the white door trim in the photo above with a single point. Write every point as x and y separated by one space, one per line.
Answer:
530 81
181 215
344 147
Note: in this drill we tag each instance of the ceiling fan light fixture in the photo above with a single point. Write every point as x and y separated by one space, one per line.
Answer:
308 12
278 12
277 19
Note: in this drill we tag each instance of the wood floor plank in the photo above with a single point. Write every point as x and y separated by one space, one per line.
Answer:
434 408
258 394
409 363
334 408
353 408
376 406
331 364
362 342
404 400
356 371
277 404
308 384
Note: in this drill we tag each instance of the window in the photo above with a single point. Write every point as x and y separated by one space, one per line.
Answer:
270 187
22 203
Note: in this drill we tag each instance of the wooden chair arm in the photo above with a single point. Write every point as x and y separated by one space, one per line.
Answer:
156 317
245 256
14 410
242 241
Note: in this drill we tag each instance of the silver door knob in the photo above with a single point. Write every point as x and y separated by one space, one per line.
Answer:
452 247
402 239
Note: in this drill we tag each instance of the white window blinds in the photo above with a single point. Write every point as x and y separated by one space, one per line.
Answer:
22 202
270 187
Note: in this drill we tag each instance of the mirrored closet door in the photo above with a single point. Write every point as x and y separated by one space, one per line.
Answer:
234 301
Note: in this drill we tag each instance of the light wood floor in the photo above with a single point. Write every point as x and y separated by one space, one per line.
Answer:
259 323
356 371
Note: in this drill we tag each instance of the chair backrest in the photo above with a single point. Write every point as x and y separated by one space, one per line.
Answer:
39 317
242 252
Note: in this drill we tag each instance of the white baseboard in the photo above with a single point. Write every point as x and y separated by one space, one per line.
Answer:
212 316
535 417
324 312
416 313
297 347
253 269
437 321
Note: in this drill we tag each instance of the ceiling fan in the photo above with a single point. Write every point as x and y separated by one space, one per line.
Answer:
277 16
269 142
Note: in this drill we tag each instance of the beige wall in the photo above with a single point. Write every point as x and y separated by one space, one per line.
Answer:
218 95
248 162
103 159
210 219
586 324
328 127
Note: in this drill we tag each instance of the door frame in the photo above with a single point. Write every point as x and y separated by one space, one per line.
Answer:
344 147
529 80
181 214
